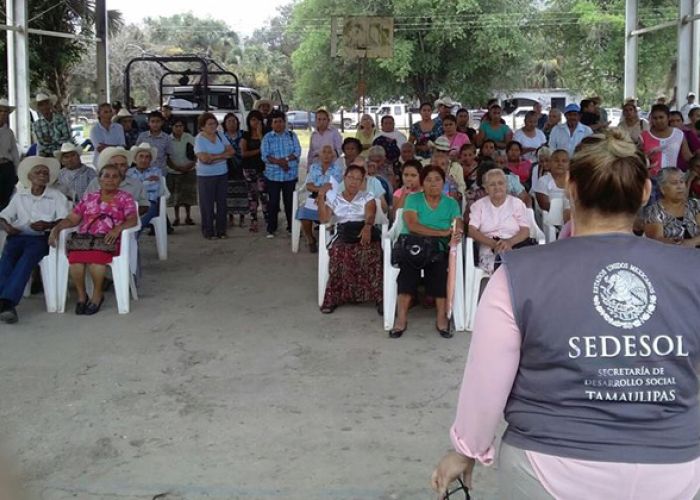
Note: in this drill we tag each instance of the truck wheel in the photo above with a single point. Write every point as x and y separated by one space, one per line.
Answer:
347 123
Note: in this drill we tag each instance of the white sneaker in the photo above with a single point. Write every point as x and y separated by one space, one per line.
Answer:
270 236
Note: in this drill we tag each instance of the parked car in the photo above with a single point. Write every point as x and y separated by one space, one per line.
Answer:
300 120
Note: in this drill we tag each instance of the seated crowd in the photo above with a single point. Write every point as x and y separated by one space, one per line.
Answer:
443 177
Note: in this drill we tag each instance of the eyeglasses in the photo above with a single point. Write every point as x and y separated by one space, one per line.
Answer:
454 492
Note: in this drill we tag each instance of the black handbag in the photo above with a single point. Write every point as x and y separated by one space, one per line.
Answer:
349 232
86 241
416 251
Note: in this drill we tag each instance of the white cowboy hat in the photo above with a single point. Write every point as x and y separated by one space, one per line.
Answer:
260 102
41 97
441 144
67 147
144 146
445 101
109 152
4 103
26 166
123 113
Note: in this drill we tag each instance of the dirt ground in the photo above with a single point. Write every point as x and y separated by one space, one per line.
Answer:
226 382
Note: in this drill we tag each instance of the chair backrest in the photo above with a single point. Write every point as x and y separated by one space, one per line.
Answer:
396 229
381 217
535 231
555 215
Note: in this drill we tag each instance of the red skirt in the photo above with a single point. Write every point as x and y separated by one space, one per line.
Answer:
91 257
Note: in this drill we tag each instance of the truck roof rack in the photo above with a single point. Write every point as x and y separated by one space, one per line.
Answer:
183 70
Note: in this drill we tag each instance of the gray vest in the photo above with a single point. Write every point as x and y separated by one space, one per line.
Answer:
610 329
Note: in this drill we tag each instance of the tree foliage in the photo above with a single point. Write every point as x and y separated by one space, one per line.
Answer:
50 58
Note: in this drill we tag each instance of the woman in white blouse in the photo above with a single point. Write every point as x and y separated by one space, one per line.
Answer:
355 266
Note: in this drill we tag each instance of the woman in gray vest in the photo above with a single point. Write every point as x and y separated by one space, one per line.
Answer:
593 366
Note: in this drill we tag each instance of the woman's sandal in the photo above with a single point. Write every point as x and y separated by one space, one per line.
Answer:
80 307
396 333
91 308
328 309
445 334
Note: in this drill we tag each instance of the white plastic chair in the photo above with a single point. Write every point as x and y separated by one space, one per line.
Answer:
473 274
324 235
121 270
391 274
553 217
47 266
160 223
298 199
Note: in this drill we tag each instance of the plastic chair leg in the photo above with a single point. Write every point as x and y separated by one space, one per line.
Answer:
161 228
120 273
296 224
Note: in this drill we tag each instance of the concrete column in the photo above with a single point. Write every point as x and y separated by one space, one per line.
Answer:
685 52
102 51
18 70
631 49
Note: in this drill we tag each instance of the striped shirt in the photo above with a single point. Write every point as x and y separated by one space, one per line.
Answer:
281 145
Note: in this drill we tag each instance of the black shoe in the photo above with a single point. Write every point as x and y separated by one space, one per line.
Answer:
328 309
170 230
313 247
445 334
380 307
80 307
396 333
9 316
5 305
91 308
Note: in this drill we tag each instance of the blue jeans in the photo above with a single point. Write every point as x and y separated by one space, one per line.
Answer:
152 212
20 256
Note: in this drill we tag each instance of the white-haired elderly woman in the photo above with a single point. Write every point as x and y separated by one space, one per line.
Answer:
674 218
498 222
32 212
321 173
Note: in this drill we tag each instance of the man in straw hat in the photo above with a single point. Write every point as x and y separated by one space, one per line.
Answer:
265 107
131 132
74 177
105 133
33 211
120 158
9 156
51 129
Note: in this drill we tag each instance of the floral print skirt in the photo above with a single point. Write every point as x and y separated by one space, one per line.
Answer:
355 274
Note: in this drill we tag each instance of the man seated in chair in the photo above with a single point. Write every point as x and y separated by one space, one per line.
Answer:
33 211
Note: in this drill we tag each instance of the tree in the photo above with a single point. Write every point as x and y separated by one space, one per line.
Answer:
266 63
464 48
185 33
51 58
588 37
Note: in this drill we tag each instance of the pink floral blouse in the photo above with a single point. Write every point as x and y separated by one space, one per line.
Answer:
105 215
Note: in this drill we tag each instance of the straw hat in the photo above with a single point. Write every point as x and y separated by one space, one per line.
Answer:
41 97
260 102
445 101
144 146
109 152
123 113
5 104
26 166
67 147
440 144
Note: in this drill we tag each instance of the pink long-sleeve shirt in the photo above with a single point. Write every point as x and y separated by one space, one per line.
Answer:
492 365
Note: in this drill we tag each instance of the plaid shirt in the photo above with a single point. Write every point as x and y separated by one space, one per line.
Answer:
50 134
281 146
74 183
